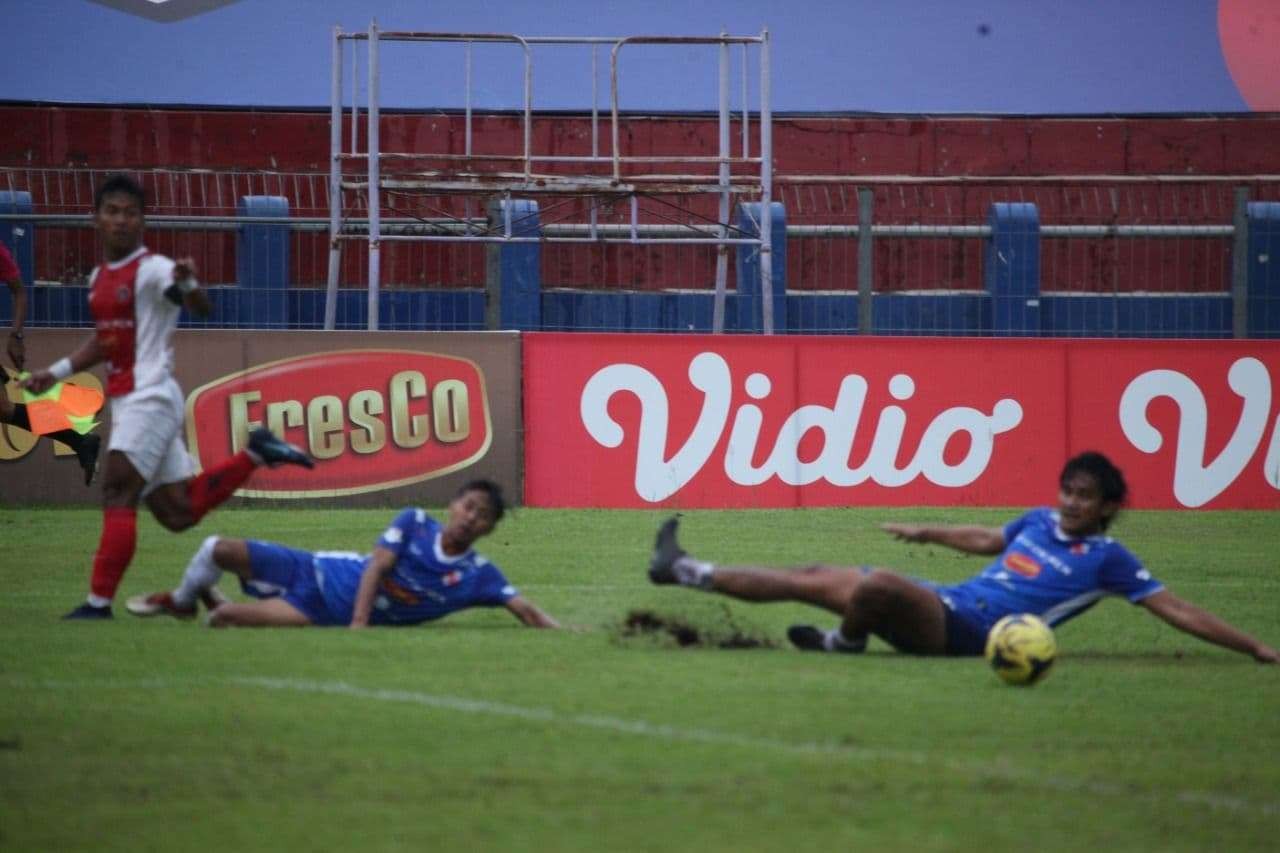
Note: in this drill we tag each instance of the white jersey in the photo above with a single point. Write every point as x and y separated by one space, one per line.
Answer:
134 319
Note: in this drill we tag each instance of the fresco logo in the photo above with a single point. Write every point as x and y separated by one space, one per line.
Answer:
372 419
165 11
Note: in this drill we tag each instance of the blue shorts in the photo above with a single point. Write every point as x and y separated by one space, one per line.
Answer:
967 621
287 574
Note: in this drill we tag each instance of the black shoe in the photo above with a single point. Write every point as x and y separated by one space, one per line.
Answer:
87 455
807 638
88 611
276 451
665 553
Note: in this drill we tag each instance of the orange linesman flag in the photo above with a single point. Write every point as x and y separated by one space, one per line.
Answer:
64 406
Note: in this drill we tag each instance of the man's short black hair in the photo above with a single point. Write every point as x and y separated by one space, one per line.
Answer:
496 499
120 183
1109 478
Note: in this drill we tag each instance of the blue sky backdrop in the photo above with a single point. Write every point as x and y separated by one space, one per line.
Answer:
912 56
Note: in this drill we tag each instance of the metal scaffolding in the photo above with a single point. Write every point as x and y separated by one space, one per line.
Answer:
613 177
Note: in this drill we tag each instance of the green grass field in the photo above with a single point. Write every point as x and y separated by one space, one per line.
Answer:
475 733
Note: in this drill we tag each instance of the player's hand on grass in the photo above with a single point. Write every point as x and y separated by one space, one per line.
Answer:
904 532
1265 654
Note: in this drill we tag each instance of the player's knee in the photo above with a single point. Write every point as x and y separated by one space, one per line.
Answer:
174 518
876 591
116 492
225 551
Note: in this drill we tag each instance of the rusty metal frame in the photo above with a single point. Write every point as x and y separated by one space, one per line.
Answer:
471 174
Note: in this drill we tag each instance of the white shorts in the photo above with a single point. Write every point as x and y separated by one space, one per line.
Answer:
146 426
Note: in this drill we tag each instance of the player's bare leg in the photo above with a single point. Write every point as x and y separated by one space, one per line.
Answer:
216 555
268 613
908 616
828 587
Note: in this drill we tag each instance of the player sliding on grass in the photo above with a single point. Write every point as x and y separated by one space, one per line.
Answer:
420 570
135 297
1055 564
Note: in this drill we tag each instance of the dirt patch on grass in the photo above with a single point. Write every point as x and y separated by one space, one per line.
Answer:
728 634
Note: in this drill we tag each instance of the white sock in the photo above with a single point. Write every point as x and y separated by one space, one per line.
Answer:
691 572
201 574
835 641
98 601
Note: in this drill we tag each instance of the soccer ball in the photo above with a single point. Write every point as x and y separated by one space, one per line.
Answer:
1021 649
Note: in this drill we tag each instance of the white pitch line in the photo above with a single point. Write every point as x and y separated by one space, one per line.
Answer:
1209 799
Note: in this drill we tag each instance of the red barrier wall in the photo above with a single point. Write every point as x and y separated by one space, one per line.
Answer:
118 137
701 421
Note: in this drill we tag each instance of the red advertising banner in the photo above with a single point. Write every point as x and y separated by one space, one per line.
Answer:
702 421
371 419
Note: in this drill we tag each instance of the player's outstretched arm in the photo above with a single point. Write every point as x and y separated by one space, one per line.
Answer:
1199 622
380 562
530 614
85 356
969 538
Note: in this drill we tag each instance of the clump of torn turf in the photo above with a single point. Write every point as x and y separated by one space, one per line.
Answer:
685 633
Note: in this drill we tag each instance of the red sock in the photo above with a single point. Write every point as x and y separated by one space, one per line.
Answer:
115 549
218 483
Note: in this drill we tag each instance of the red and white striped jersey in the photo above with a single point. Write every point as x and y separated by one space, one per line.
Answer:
134 319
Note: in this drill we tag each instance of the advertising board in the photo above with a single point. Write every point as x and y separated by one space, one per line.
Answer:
390 418
701 421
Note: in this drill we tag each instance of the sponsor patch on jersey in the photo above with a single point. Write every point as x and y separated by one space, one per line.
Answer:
123 294
1080 548
452 578
1022 564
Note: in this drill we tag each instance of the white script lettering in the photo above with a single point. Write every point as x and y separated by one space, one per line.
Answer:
657 478
1194 483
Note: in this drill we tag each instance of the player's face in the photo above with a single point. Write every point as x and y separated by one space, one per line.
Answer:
119 220
470 517
1081 505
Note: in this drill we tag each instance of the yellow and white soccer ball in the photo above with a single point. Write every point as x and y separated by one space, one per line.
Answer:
1021 649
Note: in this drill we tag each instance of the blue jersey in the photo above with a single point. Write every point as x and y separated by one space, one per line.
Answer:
1051 574
425 583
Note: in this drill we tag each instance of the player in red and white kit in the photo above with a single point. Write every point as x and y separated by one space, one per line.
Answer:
15 414
135 298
